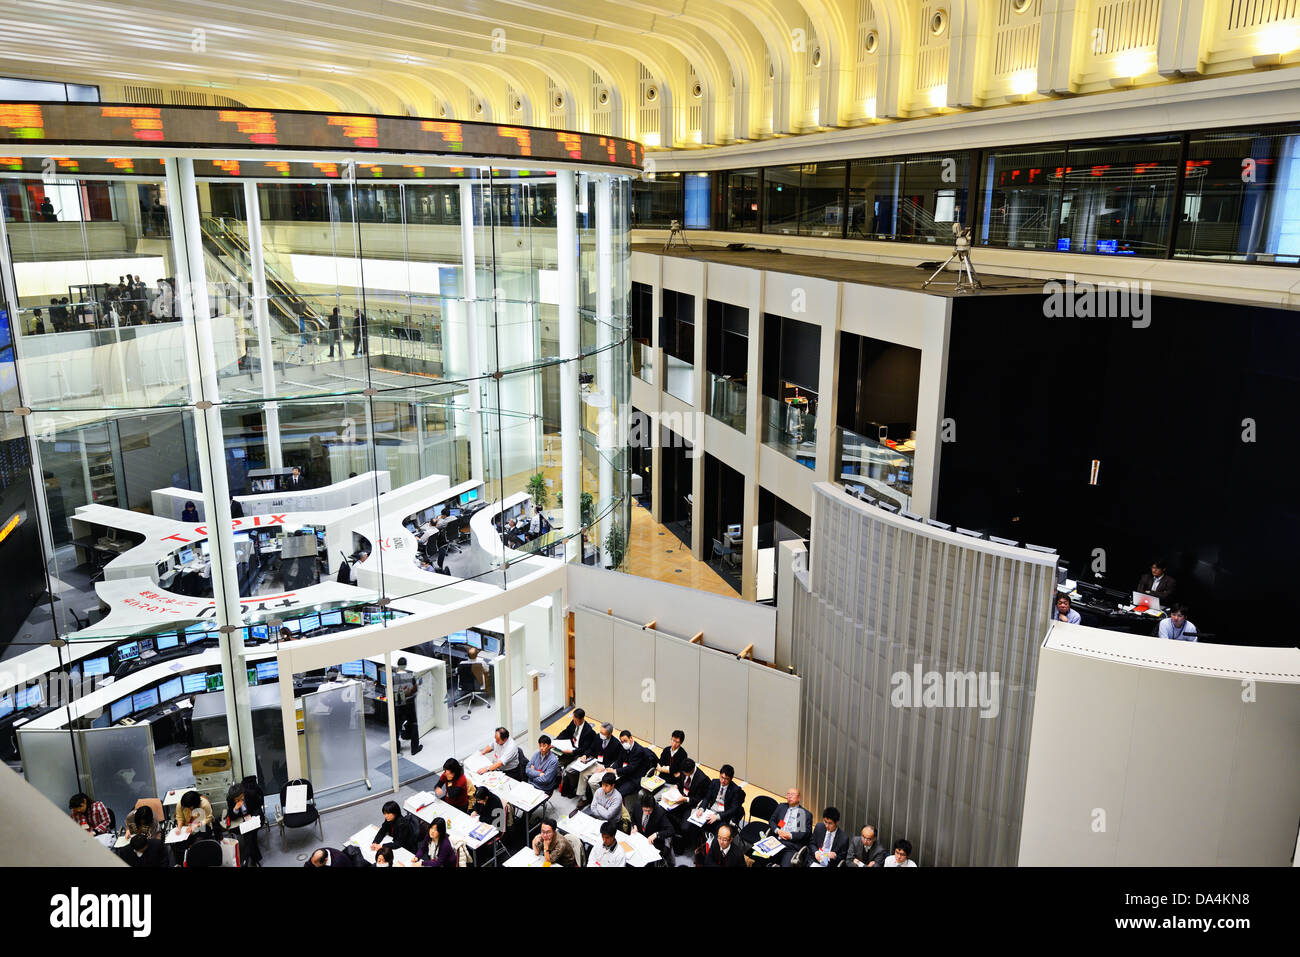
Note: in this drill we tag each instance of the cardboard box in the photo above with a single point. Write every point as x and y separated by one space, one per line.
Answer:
210 761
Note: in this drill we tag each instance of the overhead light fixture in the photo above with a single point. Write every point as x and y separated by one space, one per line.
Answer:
939 96
650 139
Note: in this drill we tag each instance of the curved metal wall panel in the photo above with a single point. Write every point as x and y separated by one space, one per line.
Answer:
918 650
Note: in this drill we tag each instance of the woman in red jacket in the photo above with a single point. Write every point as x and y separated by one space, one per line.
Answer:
452 786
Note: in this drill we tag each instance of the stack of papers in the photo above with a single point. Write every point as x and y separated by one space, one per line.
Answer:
581 764
767 847
672 795
481 832
251 824
698 816
652 782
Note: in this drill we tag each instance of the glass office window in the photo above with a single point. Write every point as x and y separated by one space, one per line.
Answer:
875 194
1117 198
1021 198
655 202
935 190
822 199
699 201
781 199
739 196
1241 197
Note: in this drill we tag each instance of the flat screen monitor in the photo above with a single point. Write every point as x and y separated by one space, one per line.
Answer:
215 681
203 549
309 623
331 619
6 706
32 699
186 556
252 676
457 638
492 644
240 537
143 700
474 640
146 645
353 669
352 616
469 496
119 710
164 642
372 670
194 684
172 688
293 624
374 617
267 670
195 633
380 678
94 666
257 632
128 651
454 513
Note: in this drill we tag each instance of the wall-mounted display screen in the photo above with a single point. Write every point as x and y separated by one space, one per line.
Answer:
267 670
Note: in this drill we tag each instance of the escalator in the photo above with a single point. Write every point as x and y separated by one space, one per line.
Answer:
285 306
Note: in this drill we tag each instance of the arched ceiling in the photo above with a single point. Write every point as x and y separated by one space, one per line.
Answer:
672 73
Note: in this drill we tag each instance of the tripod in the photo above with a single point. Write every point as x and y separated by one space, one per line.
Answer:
676 236
967 280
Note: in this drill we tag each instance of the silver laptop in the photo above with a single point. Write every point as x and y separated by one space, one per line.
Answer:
1140 599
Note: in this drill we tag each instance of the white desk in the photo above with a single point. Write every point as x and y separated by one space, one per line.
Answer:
525 857
459 824
640 852
366 836
515 793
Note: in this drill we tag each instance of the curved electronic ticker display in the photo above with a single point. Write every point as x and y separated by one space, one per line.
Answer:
196 127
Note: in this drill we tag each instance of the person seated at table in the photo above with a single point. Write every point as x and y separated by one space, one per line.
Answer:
1157 583
606 802
1176 626
328 857
694 786
384 857
724 802
652 821
396 827
286 634
505 755
607 853
452 786
791 823
580 732
552 846
543 771
603 751
487 807
866 850
902 856
723 851
672 758
91 815
829 845
144 852
1063 611
194 816
190 513
635 762
435 848
140 820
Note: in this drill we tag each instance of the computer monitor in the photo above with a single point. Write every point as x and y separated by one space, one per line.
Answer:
119 710
32 699
308 623
492 644
215 681
352 616
168 640
240 537
267 670
203 549
6 706
454 512
372 670
458 638
374 617
252 676
381 678
170 689
733 529
144 700
146 645
331 619
469 496
353 669
293 624
128 651
474 639
194 634
257 632
94 666
186 556
194 684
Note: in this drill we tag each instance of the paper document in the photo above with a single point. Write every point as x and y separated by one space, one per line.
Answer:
417 802
481 832
698 816
672 795
581 764
767 847
178 834
252 824
295 799
652 783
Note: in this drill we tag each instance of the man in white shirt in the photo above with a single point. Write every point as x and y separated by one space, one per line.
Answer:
607 853
505 754
1176 626
902 856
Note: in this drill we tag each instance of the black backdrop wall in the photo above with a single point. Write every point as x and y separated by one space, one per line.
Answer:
1034 400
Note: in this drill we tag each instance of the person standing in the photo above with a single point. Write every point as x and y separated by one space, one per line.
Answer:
336 331
358 332
404 706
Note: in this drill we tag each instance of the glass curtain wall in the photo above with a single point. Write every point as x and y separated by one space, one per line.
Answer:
242 412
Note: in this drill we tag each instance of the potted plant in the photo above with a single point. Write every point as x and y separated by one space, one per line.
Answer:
615 545
537 489
588 506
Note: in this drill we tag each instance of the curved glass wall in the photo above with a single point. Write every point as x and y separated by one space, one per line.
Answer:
238 412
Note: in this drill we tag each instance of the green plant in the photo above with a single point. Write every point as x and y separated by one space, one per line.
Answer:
537 489
588 506
615 545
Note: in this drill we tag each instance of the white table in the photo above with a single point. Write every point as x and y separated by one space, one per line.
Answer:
525 857
588 829
515 793
459 824
366 836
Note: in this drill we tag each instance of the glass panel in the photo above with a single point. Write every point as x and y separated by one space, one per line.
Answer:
934 197
882 471
1116 197
821 210
121 766
790 425
1022 198
781 198
335 742
655 202
875 191
726 399
50 764
739 198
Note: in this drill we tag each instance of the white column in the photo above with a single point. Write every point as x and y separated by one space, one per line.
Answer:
609 434
262 320
187 245
570 345
470 313
9 286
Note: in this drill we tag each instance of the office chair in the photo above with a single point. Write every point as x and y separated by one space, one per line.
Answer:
299 818
203 854
760 812
467 677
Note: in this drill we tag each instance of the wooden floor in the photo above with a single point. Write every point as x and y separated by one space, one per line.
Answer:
654 552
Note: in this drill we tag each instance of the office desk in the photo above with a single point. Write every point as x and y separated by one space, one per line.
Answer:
1113 617
366 836
524 857
640 852
515 793
460 826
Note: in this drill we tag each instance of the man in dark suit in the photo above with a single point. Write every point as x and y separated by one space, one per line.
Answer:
605 750
653 822
144 852
1157 583
791 823
582 734
633 763
724 802
866 850
397 827
829 845
672 758
327 857
723 851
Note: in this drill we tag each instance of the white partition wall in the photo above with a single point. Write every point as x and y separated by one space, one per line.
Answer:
677 689
593 677
773 727
634 669
724 711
